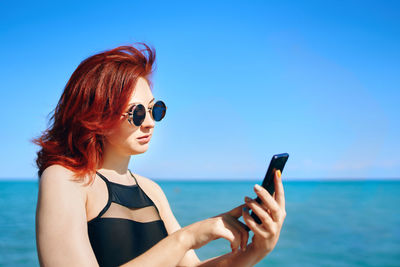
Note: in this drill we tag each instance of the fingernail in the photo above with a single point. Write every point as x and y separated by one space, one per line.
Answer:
279 174
247 199
257 187
245 209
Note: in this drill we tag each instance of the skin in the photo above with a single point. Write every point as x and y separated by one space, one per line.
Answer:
64 207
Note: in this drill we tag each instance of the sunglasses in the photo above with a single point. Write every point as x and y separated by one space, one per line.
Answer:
137 113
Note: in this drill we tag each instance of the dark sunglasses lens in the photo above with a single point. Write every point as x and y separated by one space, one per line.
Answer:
139 114
159 110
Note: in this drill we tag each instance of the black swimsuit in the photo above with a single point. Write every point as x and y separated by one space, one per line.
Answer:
126 227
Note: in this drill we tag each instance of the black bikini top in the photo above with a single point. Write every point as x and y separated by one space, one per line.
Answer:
127 226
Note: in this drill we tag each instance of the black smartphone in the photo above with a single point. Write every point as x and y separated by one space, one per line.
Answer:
278 162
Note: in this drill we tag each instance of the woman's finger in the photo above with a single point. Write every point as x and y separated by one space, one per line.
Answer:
230 234
251 223
244 234
269 201
237 235
260 212
280 194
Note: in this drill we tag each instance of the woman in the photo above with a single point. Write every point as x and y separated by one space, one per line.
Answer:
93 211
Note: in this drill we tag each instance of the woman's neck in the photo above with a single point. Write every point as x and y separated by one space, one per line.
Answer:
115 164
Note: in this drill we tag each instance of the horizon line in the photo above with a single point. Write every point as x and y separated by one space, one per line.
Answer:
242 179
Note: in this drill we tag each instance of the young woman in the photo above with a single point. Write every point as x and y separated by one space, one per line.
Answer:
92 210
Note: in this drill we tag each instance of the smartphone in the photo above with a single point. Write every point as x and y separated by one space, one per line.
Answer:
278 162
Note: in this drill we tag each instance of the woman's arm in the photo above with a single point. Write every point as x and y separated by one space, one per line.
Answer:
240 258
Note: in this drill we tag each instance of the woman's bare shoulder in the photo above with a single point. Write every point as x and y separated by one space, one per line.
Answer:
144 181
58 192
57 176
58 170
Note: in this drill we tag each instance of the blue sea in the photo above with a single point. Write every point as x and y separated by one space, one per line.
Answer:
328 223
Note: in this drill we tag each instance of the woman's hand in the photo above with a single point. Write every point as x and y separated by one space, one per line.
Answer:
271 211
225 225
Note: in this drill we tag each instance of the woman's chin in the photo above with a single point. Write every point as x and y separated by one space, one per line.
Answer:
139 149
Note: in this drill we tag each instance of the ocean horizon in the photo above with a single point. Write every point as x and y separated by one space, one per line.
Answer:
330 222
241 179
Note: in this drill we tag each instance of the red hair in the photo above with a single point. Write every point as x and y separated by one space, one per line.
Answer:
91 105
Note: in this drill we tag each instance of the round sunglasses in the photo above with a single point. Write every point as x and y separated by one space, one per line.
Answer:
137 113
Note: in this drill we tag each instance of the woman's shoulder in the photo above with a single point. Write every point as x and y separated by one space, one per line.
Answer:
59 178
146 182
57 169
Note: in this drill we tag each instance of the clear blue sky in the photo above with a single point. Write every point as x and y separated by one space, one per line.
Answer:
242 80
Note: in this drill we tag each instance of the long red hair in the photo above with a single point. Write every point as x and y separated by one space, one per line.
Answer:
91 105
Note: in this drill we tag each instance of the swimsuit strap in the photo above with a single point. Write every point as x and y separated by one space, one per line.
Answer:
133 177
108 185
102 177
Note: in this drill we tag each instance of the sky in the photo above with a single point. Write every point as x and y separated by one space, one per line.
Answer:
242 80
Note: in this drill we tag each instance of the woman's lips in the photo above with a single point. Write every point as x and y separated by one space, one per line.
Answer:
144 139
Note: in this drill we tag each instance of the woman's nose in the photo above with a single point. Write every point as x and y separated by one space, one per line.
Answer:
148 120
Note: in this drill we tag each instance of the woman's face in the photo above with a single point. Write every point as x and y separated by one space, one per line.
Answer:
124 139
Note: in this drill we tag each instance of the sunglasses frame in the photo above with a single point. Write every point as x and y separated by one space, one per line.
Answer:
132 108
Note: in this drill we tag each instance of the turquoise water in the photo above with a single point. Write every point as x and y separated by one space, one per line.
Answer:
328 223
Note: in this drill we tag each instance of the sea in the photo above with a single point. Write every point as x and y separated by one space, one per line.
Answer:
328 223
